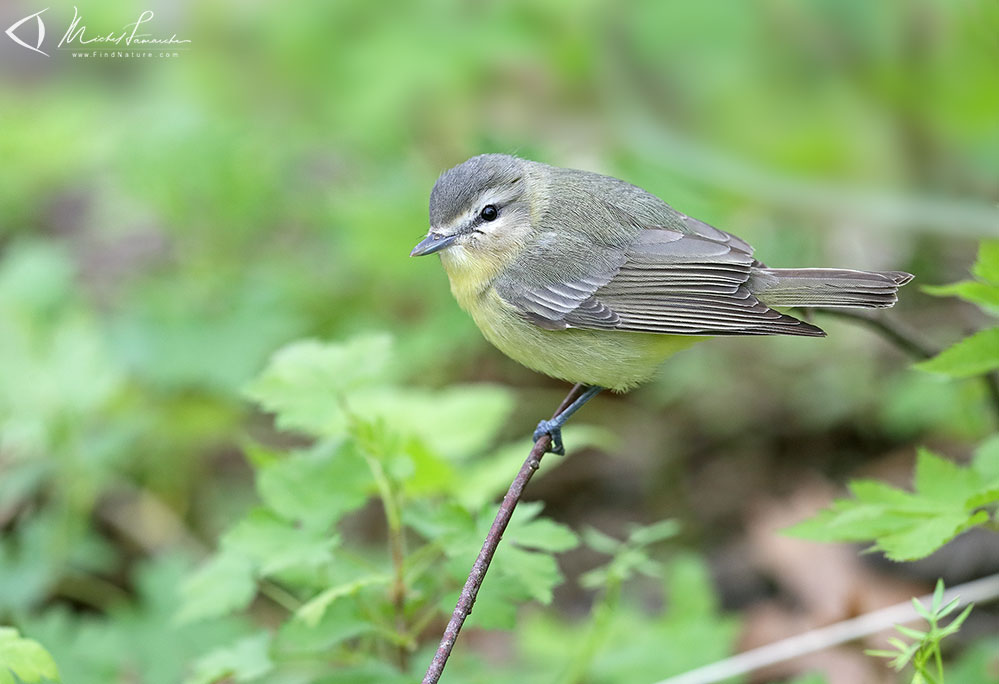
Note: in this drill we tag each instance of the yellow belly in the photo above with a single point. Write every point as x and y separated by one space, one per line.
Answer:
613 359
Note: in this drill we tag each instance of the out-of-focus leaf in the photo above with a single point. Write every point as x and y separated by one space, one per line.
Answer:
305 382
457 423
274 544
225 583
315 488
529 530
24 660
244 661
312 611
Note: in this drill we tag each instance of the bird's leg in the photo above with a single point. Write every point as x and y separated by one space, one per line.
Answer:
553 427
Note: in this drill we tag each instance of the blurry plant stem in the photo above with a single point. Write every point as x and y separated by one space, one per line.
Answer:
909 341
471 589
397 550
603 612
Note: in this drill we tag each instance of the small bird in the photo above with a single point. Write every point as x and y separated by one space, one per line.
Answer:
590 279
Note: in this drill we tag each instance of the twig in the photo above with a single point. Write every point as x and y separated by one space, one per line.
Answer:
907 340
903 337
471 589
980 590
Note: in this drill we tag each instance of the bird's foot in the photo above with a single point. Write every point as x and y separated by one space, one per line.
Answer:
552 428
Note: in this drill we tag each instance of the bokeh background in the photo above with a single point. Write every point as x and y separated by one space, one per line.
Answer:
167 223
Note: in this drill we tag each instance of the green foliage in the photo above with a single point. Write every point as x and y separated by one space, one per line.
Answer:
923 653
24 660
621 641
947 500
346 602
978 353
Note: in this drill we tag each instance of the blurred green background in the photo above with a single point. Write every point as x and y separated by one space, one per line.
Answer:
167 223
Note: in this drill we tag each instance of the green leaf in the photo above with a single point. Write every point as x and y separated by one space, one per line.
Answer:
987 265
536 573
305 382
243 661
643 535
312 611
904 525
274 544
926 536
316 487
986 460
984 294
598 541
689 589
973 355
25 659
222 585
340 621
457 423
528 530
938 479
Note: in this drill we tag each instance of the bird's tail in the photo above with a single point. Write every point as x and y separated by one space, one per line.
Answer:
827 287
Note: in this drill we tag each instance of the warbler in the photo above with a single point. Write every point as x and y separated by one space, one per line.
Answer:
592 280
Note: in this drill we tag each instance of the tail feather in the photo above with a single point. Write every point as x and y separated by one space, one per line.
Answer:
827 287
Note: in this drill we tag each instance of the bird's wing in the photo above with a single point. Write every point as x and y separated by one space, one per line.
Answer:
663 281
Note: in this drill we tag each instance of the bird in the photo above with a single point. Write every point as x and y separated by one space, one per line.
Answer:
592 280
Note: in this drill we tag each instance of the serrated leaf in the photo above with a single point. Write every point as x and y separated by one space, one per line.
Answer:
987 264
305 382
274 544
941 480
542 534
316 487
904 525
536 573
340 621
973 355
926 536
222 585
457 423
313 610
25 659
244 661
984 294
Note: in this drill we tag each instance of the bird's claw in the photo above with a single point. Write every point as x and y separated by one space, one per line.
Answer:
553 430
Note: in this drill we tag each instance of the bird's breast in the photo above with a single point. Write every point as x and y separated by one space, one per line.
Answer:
614 359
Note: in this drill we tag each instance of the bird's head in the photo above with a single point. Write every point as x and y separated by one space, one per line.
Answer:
480 212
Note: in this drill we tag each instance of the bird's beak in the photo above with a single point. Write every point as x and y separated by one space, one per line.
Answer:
433 243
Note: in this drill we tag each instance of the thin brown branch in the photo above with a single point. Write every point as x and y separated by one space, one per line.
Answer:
900 335
471 589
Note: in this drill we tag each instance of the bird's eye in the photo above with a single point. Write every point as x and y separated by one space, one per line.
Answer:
489 212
